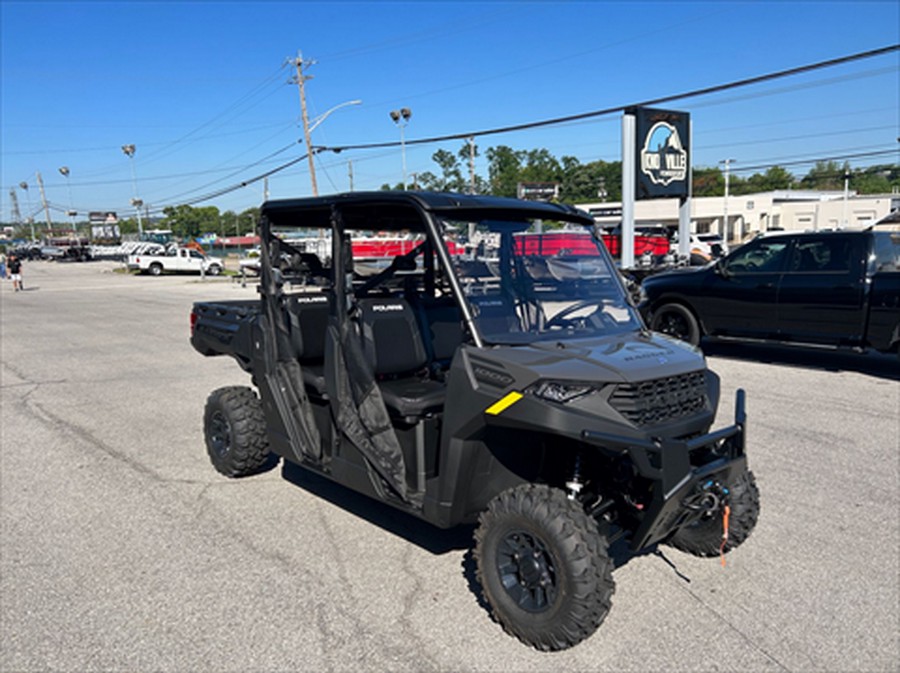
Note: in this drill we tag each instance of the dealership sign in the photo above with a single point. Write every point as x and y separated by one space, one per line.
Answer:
662 141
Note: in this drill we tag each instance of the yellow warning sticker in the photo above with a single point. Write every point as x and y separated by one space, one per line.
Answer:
503 403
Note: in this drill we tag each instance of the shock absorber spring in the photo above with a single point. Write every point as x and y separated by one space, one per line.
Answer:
574 485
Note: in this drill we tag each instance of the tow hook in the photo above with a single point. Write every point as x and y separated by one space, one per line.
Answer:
710 499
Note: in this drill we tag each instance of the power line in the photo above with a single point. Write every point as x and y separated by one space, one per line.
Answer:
550 122
801 162
110 148
780 74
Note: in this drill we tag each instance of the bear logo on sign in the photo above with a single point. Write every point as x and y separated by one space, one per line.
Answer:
663 157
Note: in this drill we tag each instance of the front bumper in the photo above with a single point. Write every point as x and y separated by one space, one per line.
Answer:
667 463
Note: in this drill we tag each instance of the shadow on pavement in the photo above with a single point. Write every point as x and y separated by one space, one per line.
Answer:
424 535
420 533
880 365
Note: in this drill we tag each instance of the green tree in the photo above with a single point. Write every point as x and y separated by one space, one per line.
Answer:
540 166
465 154
773 179
825 175
504 169
451 179
878 179
707 182
594 181
128 226
249 219
187 222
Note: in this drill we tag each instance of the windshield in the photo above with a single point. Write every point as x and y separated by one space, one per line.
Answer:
526 285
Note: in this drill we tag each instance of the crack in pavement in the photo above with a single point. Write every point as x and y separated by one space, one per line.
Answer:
746 638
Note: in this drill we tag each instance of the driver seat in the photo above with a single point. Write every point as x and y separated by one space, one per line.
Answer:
393 346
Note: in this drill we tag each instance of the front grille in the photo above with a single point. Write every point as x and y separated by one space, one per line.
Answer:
661 400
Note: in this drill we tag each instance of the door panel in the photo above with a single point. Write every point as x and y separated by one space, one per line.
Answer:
821 297
740 298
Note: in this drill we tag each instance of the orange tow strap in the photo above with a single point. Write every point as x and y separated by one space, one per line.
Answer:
725 514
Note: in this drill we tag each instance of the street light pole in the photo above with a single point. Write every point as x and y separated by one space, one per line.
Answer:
401 118
318 120
65 172
309 127
135 201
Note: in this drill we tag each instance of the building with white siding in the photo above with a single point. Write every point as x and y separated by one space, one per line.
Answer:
750 214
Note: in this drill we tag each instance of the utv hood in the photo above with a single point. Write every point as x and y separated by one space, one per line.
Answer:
621 358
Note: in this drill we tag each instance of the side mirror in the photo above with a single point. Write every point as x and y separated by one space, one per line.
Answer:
720 269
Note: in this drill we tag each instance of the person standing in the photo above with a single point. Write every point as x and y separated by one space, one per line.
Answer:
2 263
15 272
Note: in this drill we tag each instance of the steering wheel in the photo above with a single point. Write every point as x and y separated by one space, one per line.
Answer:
562 319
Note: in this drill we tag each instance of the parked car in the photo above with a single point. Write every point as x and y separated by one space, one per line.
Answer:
716 244
837 288
175 259
537 406
649 239
710 246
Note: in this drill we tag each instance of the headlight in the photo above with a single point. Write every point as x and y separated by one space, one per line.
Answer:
562 391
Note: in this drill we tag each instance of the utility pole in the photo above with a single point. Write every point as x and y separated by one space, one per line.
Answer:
725 231
265 189
846 194
40 182
29 216
300 80
471 164
350 172
16 213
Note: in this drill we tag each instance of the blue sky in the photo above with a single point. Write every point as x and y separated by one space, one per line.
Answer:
201 88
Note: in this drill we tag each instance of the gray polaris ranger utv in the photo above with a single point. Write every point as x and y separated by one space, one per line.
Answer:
506 381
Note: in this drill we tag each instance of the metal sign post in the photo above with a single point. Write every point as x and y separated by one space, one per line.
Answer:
628 191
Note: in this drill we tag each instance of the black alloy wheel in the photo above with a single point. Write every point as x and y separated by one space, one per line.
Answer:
676 321
527 571
219 430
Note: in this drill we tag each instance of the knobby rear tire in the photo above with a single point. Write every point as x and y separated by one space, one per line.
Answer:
235 431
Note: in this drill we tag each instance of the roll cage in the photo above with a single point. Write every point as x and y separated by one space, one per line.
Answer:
428 269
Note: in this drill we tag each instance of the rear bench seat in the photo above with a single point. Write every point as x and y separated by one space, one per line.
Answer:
308 321
392 343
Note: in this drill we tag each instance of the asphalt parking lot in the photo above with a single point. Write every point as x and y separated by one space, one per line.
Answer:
122 549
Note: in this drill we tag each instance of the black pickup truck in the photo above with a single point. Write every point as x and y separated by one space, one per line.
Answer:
464 390
830 288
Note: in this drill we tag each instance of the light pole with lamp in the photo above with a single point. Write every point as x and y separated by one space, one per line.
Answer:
401 118
64 170
308 128
135 201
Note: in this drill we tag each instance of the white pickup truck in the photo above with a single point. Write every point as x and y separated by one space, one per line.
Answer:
181 260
